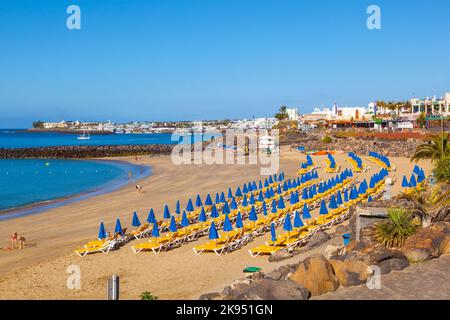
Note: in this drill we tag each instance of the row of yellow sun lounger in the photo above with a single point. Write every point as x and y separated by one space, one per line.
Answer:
157 246
354 165
104 245
380 163
289 240
229 243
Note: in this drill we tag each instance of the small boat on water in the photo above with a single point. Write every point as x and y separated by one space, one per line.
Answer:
84 136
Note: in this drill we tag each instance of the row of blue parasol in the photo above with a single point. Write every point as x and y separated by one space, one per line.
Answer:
417 176
226 209
356 158
308 163
323 187
335 202
380 157
332 161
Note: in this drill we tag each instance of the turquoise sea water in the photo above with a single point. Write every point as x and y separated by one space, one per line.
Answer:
12 138
29 182
25 182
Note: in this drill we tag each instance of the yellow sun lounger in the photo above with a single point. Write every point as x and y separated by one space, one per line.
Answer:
105 247
141 231
157 244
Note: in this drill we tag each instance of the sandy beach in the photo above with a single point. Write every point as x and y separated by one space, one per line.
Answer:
39 271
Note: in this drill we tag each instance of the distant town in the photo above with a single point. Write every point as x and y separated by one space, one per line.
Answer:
402 115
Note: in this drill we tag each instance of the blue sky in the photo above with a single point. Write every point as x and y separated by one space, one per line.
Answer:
206 59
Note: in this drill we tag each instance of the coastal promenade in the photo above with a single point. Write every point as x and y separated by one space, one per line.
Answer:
429 280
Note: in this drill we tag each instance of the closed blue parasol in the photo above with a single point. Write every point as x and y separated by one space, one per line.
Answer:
287 225
346 195
135 222
222 197
166 214
244 201
238 192
273 234
173 225
226 208
155 230
151 216
253 216
214 212
305 211
208 201
339 198
333 204
264 207
274 206
118 228
239 223
213 234
293 199
198 201
227 227
412 181
230 193
184 220
234 204
190 206
101 231
178 207
323 208
281 203
252 199
260 197
298 223
202 216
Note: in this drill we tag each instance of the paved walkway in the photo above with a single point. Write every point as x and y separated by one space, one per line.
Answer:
428 280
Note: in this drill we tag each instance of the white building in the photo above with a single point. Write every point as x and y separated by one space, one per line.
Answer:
292 114
339 113
431 106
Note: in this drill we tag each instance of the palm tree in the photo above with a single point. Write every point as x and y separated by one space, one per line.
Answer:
435 148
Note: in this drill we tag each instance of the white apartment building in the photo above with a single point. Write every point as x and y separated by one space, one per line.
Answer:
431 106
339 113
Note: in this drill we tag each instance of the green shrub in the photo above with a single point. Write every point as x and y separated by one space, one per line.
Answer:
395 231
442 170
327 139
147 295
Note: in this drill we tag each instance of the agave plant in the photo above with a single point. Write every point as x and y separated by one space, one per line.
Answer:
395 231
436 147
431 204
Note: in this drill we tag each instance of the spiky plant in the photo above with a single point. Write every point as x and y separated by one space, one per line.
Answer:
431 204
395 231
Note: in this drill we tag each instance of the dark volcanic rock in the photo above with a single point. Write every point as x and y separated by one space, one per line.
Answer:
268 289
79 152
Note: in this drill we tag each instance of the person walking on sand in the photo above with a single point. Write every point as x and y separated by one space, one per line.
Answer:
13 240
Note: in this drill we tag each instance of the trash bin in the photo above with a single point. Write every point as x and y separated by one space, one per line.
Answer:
346 238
